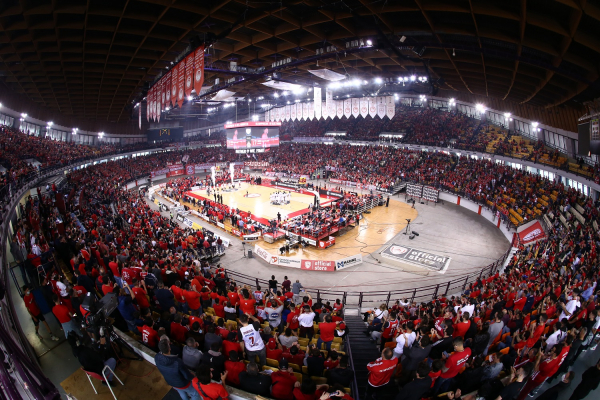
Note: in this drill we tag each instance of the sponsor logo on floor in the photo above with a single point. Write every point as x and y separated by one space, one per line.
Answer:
421 258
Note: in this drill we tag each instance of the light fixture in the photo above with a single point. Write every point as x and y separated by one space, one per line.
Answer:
167 109
285 93
453 53
255 117
298 90
507 115
228 122
50 123
378 81
413 78
276 95
0 105
297 100
189 98
101 134
535 124
288 102
369 43
480 108
23 115
249 100
260 98
75 131
265 105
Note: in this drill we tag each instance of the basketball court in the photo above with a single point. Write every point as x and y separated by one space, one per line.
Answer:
256 200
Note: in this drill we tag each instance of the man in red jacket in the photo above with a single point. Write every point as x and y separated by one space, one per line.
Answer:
542 370
380 372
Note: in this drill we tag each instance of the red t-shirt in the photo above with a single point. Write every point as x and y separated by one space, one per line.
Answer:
247 306
177 292
178 332
274 354
381 371
234 298
31 305
283 385
62 313
455 362
192 298
128 274
327 330
233 369
140 297
106 289
461 328
228 346
149 336
219 310
292 320
114 267
212 391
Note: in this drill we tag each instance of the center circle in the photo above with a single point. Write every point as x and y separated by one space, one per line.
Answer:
252 195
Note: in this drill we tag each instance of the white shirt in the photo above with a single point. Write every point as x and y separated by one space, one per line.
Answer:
555 338
410 338
252 339
306 320
62 289
470 308
570 306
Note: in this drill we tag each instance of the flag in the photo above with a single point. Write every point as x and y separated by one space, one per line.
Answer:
199 69
180 82
189 74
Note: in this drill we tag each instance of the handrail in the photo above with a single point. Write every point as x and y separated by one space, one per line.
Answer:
417 293
354 385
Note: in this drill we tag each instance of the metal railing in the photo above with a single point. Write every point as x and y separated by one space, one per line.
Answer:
373 299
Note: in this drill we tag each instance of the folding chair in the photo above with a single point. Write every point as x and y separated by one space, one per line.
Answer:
102 378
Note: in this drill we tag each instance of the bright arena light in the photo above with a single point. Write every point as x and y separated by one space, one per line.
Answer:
189 98
101 134
276 95
480 108
255 117
378 81
507 115
413 78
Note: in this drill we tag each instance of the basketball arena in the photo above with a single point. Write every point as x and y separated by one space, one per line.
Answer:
300 200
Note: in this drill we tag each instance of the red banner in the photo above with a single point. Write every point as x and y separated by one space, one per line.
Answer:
189 74
180 82
199 69
176 173
323 244
532 233
152 117
159 97
167 89
147 106
174 78
318 265
190 170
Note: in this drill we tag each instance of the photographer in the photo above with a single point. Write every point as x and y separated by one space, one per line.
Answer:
92 360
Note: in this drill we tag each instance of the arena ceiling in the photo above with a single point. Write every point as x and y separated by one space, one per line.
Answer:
92 59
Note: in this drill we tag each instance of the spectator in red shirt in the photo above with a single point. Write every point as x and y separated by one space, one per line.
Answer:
106 286
149 335
141 295
454 363
219 308
461 328
207 389
192 297
178 331
327 330
380 372
274 349
65 317
283 382
36 314
234 366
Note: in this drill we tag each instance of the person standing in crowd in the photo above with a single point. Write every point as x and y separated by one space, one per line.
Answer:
174 371
35 313
380 373
250 341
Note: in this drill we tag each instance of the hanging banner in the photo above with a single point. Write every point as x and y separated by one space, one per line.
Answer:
152 102
161 96
390 107
340 108
181 82
329 105
304 111
168 78
299 111
293 112
317 103
147 106
163 86
271 114
189 73
311 110
174 82
347 108
372 107
364 107
288 113
199 69
381 107
140 114
355 108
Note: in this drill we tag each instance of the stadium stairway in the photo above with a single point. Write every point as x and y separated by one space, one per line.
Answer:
362 349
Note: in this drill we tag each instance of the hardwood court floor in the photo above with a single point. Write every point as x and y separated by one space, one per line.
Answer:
258 200
375 230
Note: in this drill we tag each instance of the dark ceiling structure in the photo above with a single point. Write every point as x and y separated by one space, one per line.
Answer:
92 59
